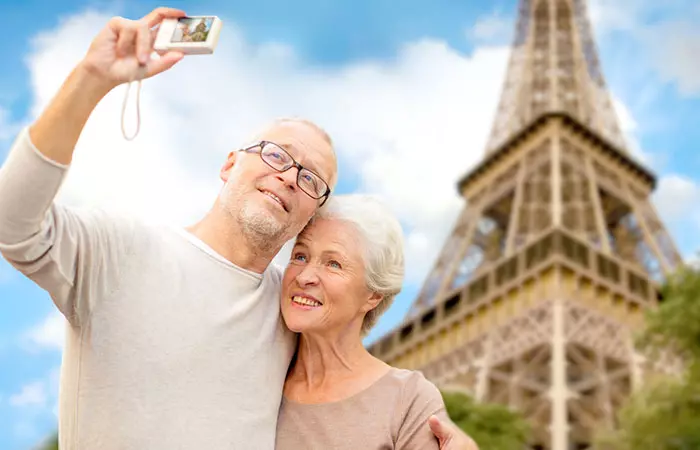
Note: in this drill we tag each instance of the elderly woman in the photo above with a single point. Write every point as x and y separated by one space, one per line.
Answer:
346 268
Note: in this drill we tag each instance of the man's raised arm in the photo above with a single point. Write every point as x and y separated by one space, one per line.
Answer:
119 53
59 250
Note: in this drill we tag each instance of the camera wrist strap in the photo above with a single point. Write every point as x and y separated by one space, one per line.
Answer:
138 112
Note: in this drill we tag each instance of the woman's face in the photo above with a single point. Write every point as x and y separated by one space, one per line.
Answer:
324 287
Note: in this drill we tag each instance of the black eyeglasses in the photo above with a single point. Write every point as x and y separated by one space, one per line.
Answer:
276 157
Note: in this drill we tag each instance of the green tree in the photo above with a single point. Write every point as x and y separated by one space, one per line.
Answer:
675 325
665 413
50 444
492 426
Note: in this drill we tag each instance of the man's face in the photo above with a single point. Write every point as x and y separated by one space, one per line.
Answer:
252 185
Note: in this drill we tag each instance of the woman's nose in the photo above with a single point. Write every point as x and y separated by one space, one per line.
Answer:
308 276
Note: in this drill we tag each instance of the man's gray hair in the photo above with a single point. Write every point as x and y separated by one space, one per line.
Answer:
382 246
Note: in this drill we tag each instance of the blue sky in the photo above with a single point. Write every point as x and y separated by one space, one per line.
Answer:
388 82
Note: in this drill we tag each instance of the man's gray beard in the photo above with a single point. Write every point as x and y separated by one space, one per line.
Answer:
261 231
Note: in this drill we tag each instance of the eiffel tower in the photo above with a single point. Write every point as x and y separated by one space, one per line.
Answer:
556 254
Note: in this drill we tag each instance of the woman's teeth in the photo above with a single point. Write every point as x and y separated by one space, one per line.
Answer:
305 301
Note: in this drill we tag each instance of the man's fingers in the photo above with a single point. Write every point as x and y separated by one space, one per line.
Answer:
165 62
437 427
125 41
144 43
154 35
116 23
157 15
450 436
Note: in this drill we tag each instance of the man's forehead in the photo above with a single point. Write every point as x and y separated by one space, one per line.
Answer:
304 144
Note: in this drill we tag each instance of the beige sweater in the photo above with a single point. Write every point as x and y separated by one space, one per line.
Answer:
390 414
169 346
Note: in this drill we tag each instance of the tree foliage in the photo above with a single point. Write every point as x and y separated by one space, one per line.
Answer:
50 444
665 413
675 325
492 426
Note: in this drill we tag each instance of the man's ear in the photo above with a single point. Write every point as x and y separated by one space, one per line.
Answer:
372 302
226 168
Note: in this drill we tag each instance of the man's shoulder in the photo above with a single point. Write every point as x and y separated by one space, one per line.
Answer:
111 227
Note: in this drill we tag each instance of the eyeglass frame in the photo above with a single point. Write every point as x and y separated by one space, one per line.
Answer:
299 167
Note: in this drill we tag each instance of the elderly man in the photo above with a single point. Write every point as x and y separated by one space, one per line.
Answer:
174 338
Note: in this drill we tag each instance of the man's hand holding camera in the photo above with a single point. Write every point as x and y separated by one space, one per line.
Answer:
122 51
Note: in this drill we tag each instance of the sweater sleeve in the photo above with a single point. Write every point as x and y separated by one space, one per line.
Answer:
420 399
74 256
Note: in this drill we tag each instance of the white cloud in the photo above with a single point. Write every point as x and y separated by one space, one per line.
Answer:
410 127
693 260
32 394
628 126
625 119
677 198
35 405
630 16
50 333
665 31
608 15
493 28
675 47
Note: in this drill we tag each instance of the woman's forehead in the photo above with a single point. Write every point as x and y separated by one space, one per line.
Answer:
329 232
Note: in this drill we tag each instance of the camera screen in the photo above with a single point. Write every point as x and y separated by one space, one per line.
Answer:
192 29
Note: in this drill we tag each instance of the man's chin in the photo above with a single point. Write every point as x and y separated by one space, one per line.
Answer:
269 213
261 221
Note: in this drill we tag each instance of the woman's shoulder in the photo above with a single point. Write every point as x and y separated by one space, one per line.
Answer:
412 382
407 391
418 400
412 392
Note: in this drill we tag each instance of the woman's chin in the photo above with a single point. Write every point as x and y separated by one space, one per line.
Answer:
297 327
296 324
298 319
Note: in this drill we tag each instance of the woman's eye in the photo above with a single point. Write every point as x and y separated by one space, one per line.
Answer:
334 264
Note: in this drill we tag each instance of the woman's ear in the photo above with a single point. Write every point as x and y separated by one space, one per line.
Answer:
226 168
372 302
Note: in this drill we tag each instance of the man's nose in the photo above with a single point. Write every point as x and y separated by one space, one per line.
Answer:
289 177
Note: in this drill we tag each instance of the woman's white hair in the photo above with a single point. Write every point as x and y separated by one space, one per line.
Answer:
383 247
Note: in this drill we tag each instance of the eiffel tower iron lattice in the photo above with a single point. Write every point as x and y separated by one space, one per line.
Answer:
558 251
